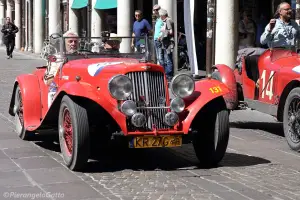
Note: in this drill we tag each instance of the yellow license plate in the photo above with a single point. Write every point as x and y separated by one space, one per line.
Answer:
156 141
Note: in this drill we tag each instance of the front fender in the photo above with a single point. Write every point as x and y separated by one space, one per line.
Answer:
88 91
228 78
205 91
31 99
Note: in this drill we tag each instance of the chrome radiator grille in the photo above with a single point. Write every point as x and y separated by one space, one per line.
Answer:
150 87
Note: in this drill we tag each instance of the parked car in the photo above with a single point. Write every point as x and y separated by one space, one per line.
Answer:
94 96
270 83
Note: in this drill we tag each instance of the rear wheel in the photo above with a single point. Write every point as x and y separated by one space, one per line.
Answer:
19 117
74 133
211 138
291 119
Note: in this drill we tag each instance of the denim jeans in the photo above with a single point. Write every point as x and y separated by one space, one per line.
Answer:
164 58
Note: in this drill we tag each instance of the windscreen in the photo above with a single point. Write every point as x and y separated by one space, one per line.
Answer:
106 45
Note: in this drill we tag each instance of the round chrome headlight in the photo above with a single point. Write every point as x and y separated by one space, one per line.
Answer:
177 105
120 87
129 108
138 120
171 118
183 85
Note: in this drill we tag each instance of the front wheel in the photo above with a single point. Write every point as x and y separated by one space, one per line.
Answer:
74 133
211 138
19 117
291 119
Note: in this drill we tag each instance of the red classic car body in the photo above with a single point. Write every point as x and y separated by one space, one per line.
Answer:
81 88
35 92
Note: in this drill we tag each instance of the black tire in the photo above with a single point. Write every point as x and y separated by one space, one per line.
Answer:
211 138
293 136
19 119
75 116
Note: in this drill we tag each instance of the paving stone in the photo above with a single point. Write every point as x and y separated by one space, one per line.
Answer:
7 165
14 143
24 152
76 190
2 155
37 163
52 175
14 179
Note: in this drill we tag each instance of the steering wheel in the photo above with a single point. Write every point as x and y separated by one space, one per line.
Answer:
84 50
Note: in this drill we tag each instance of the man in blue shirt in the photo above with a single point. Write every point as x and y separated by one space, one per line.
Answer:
281 32
141 27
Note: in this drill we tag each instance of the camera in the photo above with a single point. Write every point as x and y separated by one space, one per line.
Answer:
105 36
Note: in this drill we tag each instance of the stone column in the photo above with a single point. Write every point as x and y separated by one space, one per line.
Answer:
18 23
226 32
73 18
54 20
26 25
96 27
30 27
9 4
2 11
124 23
2 16
38 26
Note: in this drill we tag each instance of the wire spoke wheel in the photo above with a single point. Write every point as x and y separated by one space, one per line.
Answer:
294 120
68 130
74 134
19 117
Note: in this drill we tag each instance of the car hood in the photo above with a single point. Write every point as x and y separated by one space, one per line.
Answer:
96 67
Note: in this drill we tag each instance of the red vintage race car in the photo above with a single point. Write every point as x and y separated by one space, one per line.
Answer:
269 82
95 94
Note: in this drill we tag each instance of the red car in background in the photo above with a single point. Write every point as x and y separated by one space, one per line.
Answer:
270 83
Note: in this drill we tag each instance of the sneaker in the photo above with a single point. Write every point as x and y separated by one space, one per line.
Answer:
8 57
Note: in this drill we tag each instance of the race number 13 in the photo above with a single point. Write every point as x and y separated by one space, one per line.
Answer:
267 84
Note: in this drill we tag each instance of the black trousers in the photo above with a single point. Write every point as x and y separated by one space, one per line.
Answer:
10 46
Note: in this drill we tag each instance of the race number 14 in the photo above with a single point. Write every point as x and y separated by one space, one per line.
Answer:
267 85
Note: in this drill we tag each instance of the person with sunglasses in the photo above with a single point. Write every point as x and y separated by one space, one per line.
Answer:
282 31
141 27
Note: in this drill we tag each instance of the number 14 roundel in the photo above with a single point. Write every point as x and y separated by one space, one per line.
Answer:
267 86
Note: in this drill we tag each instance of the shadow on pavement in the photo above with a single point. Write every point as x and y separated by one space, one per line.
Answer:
240 160
117 159
274 128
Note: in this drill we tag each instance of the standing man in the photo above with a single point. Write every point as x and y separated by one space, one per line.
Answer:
167 40
141 27
157 32
281 32
9 31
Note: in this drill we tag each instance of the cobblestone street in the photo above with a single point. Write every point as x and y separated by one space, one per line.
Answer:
258 164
